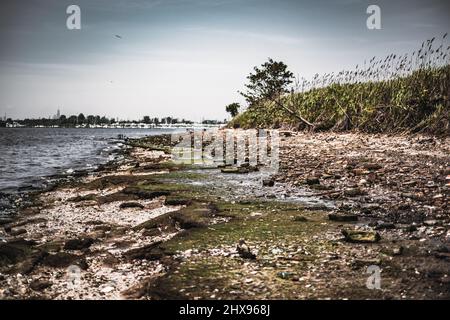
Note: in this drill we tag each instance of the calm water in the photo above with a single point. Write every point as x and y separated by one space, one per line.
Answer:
28 155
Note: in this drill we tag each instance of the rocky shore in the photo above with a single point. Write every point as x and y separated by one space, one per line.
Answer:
149 228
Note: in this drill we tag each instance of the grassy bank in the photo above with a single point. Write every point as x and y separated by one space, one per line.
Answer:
394 94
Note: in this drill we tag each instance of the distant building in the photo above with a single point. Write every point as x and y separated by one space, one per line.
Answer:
57 115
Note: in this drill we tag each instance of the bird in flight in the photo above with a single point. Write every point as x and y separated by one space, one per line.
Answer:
118 37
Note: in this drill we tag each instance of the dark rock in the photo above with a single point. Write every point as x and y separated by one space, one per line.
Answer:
78 244
372 166
312 181
359 236
15 251
88 197
175 201
30 262
300 219
229 170
354 192
4 221
64 260
39 285
284 275
149 252
411 228
17 232
10 253
384 226
244 250
268 183
144 194
342 217
127 205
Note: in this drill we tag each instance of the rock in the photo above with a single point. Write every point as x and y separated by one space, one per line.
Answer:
244 251
354 192
17 232
87 197
360 236
268 183
144 194
150 252
244 168
284 275
312 181
372 166
78 244
343 217
397 251
4 221
126 205
300 219
369 208
256 214
442 255
107 289
410 228
39 285
175 201
384 225
285 133
14 251
64 260
30 262
229 170
431 223
360 172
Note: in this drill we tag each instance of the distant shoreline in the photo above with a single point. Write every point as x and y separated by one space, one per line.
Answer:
126 126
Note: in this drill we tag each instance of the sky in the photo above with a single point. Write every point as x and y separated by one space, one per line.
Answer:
186 58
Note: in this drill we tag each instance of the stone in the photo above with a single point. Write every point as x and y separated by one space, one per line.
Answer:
64 260
342 217
312 181
360 172
17 232
150 252
40 285
268 183
431 223
284 275
397 251
126 205
244 250
354 192
381 225
372 166
78 244
4 221
229 170
300 219
360 236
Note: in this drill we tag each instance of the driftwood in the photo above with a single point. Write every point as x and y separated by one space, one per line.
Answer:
291 112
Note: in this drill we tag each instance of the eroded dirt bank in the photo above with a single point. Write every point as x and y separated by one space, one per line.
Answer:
152 229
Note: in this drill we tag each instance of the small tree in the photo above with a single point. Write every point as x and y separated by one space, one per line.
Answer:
233 109
146 119
81 118
269 83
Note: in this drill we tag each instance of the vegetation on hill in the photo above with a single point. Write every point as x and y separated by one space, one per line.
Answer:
397 93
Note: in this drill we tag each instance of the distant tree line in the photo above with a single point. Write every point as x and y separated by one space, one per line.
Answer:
91 120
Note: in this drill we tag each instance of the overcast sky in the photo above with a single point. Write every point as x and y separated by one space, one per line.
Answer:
186 58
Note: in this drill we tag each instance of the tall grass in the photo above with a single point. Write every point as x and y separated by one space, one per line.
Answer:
407 92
